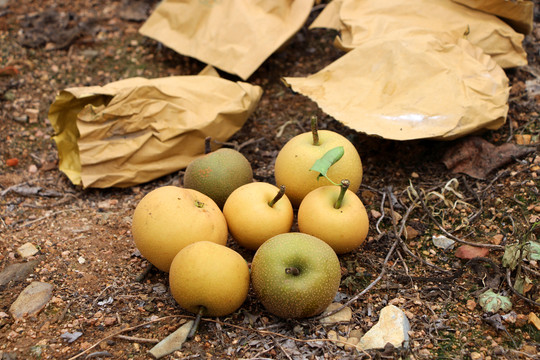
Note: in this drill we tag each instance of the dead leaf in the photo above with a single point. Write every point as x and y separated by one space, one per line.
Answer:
8 71
497 239
471 304
492 302
470 252
494 320
477 157
523 139
533 319
71 337
411 232
134 10
523 284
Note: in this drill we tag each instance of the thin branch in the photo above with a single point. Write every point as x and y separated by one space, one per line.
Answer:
281 348
382 214
509 281
537 273
137 339
48 216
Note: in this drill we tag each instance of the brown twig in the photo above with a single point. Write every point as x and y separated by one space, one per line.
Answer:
281 348
382 214
64 313
237 146
99 354
509 281
137 339
537 273
48 216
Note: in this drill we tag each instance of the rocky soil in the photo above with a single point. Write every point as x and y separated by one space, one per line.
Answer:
73 285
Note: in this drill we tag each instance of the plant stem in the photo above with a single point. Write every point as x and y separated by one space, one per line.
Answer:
314 130
278 196
292 270
344 186
207 146
196 323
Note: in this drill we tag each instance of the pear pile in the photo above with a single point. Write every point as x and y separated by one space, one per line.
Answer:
184 230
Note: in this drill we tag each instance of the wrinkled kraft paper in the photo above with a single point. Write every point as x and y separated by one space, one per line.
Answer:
404 88
517 13
361 20
236 36
135 130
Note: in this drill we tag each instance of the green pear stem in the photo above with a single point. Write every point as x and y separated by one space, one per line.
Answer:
278 196
292 271
315 130
196 323
344 186
207 146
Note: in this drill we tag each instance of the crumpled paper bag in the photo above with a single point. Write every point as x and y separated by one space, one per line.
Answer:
236 36
361 20
135 130
403 88
517 13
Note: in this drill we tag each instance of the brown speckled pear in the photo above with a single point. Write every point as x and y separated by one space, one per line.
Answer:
295 275
218 173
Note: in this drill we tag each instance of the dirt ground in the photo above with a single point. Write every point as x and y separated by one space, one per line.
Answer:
101 288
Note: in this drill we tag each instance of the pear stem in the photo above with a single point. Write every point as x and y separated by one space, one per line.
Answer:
314 130
344 186
207 145
278 196
292 271
196 323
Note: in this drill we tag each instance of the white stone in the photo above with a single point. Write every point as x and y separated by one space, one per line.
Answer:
27 250
31 300
393 327
172 342
343 315
442 242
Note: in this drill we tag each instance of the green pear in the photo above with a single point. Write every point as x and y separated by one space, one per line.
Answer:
295 275
217 174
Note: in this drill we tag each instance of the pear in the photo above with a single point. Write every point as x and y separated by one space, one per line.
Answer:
169 218
218 173
295 275
209 278
293 163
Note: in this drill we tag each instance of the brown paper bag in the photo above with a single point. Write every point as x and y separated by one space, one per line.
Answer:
403 88
359 21
135 130
518 13
236 36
